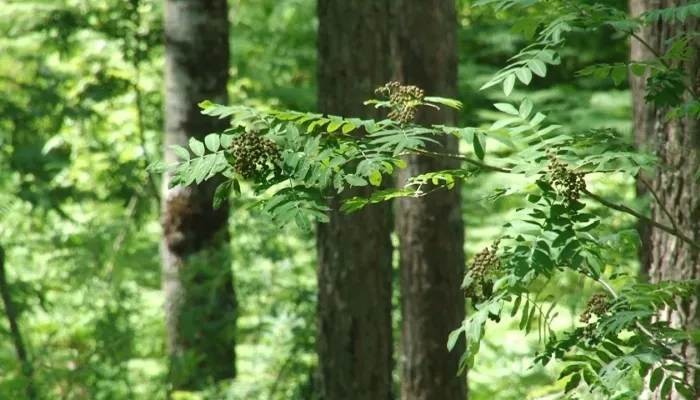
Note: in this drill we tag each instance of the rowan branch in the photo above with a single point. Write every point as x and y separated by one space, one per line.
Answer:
649 333
623 208
618 207
658 201
462 158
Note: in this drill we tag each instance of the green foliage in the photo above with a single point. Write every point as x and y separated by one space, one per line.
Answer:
553 233
79 216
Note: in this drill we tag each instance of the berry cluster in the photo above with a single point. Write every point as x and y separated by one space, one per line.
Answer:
485 263
571 183
254 154
403 100
597 305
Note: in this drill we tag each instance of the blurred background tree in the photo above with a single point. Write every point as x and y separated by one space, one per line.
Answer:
83 114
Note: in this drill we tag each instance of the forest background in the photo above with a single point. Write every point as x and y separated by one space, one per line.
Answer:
82 117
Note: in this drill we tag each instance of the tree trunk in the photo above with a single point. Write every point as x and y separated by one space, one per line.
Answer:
431 229
644 116
354 338
678 150
200 301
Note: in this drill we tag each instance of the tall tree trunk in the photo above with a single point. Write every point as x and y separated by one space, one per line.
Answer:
200 301
644 116
678 150
431 229
354 251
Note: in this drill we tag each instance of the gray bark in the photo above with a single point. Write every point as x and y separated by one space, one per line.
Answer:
200 301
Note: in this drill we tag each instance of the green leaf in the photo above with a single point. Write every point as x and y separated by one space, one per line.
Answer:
638 69
524 316
226 140
570 369
549 56
516 305
203 168
573 383
206 104
189 176
619 73
221 193
539 117
503 123
666 388
355 180
312 145
303 222
683 390
333 126
212 142
197 147
180 152
452 339
478 147
605 357
524 74
441 100
525 108
613 349
589 377
648 358
538 67
506 108
508 84
589 227
348 127
156 168
375 178
655 378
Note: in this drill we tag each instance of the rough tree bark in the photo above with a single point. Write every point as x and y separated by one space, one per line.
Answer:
431 229
677 144
354 338
644 117
200 301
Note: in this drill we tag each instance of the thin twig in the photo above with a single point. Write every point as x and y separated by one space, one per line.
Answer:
462 158
658 201
633 212
650 48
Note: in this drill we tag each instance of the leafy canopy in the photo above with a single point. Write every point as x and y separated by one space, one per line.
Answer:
296 160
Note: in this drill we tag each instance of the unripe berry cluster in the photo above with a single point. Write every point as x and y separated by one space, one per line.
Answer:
485 261
484 264
403 100
571 183
254 154
597 305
